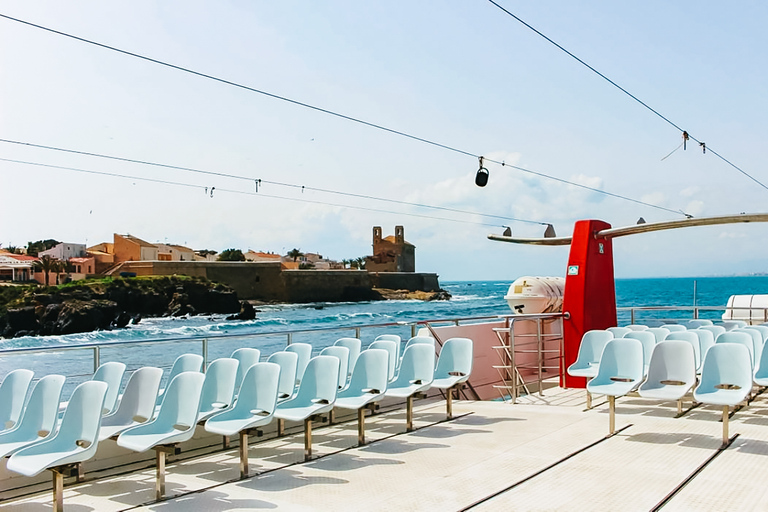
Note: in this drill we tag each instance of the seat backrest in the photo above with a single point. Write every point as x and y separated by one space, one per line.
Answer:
659 332
726 363
304 351
427 340
139 397
456 357
259 390
730 325
648 341
354 345
637 327
675 327
370 374
672 360
692 338
591 347
762 329
342 353
392 337
219 384
288 362
418 364
181 401
391 348
716 330
618 332
741 338
185 363
321 380
757 342
111 373
622 357
698 322
706 340
13 393
42 410
82 417
246 357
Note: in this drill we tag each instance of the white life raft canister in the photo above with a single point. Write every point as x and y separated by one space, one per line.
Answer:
528 295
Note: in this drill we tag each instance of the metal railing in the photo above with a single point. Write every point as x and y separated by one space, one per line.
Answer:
641 314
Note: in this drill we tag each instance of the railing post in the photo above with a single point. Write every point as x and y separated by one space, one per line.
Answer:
96 358
290 338
205 353
632 316
413 330
512 361
538 351
357 332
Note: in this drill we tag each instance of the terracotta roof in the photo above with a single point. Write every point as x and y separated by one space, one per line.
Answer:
392 239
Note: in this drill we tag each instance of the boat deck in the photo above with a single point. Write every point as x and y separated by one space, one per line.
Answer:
543 453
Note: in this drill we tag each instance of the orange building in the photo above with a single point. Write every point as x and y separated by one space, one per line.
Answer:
391 254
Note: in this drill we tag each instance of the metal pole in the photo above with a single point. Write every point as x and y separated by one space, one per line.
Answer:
409 414
290 338
538 349
160 474
58 490
357 332
512 362
308 439
695 315
96 358
243 454
612 414
205 353
632 316
413 330
361 426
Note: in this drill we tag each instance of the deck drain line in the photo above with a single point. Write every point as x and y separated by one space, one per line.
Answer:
543 470
693 475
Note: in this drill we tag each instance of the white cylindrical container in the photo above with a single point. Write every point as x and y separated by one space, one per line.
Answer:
752 309
529 294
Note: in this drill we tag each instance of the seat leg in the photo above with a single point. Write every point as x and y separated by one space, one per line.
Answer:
725 424
308 439
225 442
243 455
331 417
80 470
58 490
611 414
449 404
361 426
159 473
409 414
589 400
680 407
280 427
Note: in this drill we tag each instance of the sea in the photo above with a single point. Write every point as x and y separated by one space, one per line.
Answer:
320 324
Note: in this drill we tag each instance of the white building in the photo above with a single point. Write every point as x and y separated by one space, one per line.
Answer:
64 251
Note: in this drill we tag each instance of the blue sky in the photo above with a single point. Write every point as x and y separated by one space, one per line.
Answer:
459 73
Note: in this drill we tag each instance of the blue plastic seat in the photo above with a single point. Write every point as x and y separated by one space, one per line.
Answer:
692 338
454 366
587 360
417 371
13 393
38 421
741 338
288 362
219 387
619 332
648 340
672 372
620 371
391 347
659 332
183 363
304 351
342 353
174 423
675 327
75 441
246 357
354 345
111 373
137 404
698 322
317 394
726 378
367 386
255 407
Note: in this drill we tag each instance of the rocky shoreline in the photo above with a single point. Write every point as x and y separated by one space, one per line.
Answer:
104 304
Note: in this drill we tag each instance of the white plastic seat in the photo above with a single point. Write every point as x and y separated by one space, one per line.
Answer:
218 388
304 351
417 370
246 357
620 371
13 393
757 343
392 337
730 325
692 338
716 330
675 327
762 329
706 340
354 345
587 360
726 378
75 441
454 367
317 394
391 347
742 338
367 385
137 404
288 362
619 332
111 373
761 370
648 340
174 423
255 407
38 421
342 353
698 322
183 363
637 327
672 372
659 332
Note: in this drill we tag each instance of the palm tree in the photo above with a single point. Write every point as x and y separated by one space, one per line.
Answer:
360 263
47 264
345 263
295 254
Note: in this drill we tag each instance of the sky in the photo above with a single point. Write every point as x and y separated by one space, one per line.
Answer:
459 73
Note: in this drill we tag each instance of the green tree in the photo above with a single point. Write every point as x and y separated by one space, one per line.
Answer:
345 263
12 249
47 264
33 248
360 262
295 254
231 255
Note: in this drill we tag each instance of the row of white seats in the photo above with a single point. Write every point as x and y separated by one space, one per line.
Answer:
193 397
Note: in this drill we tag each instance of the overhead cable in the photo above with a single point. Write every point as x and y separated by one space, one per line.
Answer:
330 112
638 100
